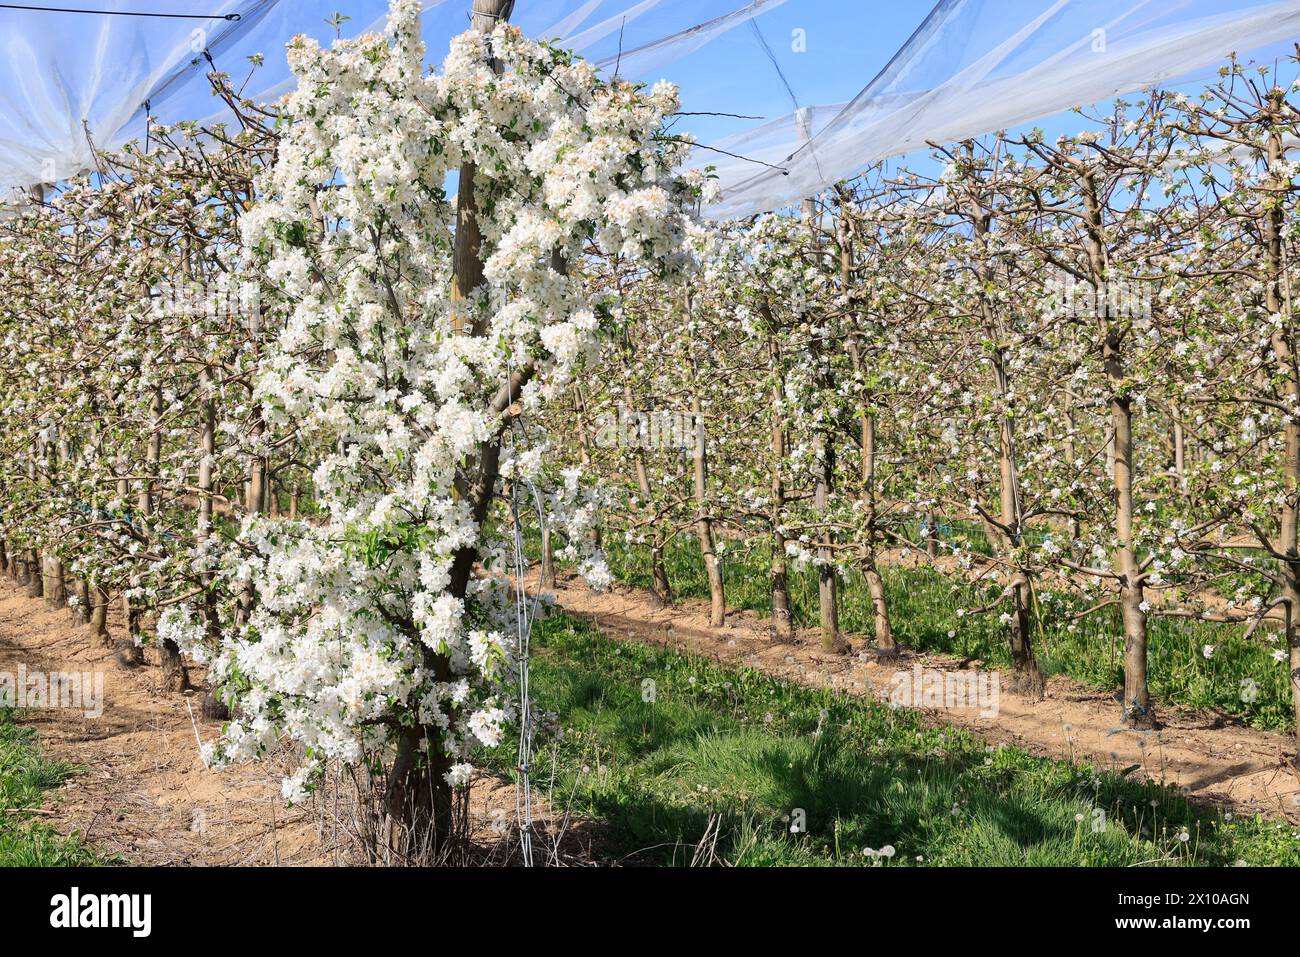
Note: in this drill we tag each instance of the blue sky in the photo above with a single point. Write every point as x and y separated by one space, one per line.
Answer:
847 43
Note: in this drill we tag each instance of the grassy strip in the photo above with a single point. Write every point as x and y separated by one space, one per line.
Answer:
24 774
1240 677
739 751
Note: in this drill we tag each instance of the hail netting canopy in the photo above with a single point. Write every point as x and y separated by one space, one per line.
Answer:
72 79
812 92
975 66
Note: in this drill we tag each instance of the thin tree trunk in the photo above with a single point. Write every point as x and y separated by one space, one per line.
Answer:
584 451
703 523
1137 711
827 595
1288 541
128 648
56 587
35 577
1028 676
255 504
1180 451
661 588
1070 399
213 707
885 642
783 628
547 576
175 677
827 591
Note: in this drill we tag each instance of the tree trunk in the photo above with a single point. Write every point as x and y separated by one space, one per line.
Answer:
703 524
885 641
213 707
99 615
174 675
419 799
35 578
128 651
827 594
82 591
1288 541
255 504
1136 708
56 589
1007 538
1180 451
661 588
584 451
546 579
783 628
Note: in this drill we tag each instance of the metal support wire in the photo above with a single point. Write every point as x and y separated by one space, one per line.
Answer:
525 615
121 13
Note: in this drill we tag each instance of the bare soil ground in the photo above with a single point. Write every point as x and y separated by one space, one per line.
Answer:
143 792
1210 757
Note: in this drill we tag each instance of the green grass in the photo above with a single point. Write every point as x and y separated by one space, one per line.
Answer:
1241 678
745 751
24 774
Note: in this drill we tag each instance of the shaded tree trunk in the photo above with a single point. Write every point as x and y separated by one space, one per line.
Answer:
99 615
703 523
885 641
827 592
175 677
783 626
419 800
546 578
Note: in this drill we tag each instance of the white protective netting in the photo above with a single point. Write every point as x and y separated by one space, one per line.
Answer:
980 65
971 66
70 79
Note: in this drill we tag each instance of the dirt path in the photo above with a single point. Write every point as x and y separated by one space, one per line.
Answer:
1209 757
143 792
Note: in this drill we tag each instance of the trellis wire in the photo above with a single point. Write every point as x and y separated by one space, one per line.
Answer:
525 615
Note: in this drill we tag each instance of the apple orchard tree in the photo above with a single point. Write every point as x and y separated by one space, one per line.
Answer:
414 333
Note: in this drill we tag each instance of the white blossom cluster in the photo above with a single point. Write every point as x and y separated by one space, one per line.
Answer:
360 629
